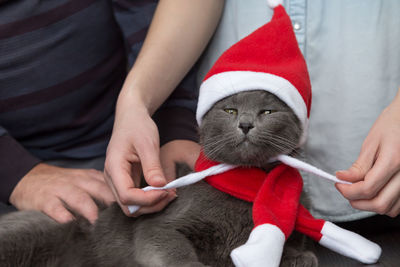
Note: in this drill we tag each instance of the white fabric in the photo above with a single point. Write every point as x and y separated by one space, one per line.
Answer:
197 176
187 180
303 166
228 83
274 3
263 248
349 244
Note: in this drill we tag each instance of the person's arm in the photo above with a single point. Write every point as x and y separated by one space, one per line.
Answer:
376 172
179 32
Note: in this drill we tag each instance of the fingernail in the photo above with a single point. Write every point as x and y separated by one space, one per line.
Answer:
172 197
339 172
173 190
159 180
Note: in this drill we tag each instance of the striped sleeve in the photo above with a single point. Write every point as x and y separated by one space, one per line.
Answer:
62 64
15 162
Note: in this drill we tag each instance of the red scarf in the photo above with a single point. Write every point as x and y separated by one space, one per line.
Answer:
275 195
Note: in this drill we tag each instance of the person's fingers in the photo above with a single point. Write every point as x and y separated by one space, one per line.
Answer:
386 202
55 209
115 193
395 210
361 166
136 174
374 181
156 208
80 202
127 194
96 186
164 195
149 154
192 152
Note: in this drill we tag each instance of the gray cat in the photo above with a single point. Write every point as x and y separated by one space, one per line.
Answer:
200 228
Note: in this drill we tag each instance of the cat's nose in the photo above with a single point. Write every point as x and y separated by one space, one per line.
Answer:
246 126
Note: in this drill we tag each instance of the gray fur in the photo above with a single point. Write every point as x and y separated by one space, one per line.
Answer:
276 133
200 228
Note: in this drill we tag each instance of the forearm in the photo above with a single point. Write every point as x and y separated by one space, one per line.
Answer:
179 32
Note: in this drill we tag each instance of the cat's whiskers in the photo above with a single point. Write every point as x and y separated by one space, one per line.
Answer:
214 146
270 134
217 140
280 143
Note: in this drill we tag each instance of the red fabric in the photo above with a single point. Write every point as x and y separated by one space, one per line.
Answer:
232 182
272 49
277 201
275 195
308 225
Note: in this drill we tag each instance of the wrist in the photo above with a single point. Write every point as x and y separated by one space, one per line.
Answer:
132 99
139 93
16 192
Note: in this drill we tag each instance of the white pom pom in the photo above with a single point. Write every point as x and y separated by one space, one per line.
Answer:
274 3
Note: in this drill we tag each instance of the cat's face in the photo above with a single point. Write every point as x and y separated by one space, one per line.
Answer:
249 128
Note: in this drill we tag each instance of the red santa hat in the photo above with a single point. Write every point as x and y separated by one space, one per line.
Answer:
268 59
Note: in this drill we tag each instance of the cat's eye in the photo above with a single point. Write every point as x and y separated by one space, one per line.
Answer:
266 111
231 111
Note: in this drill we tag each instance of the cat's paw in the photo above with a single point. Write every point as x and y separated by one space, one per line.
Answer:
295 258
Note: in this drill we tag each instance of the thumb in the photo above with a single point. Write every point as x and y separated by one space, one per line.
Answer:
354 174
151 166
358 169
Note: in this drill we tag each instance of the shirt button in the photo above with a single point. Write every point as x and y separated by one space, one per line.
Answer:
296 26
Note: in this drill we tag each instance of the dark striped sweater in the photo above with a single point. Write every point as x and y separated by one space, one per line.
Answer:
62 64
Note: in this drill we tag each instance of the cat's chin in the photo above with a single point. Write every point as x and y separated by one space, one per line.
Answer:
245 152
244 155
247 141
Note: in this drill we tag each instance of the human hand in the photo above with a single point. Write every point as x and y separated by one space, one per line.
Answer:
134 146
376 172
49 188
178 151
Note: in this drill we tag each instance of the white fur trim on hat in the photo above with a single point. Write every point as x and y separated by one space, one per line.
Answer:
274 3
225 84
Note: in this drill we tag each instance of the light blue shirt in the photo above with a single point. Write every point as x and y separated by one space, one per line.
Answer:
352 49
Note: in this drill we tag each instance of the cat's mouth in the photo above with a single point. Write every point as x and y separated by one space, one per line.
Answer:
245 141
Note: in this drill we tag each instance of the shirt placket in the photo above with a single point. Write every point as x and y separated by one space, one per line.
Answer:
297 10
